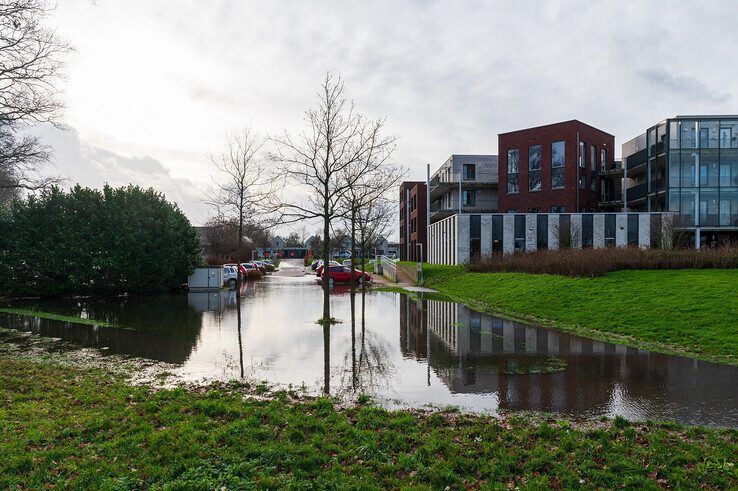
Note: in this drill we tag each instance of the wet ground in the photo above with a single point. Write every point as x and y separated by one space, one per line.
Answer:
404 351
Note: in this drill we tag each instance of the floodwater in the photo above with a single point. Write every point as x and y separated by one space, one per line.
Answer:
405 352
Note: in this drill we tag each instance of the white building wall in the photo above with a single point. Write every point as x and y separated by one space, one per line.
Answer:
508 233
448 239
531 232
621 230
576 231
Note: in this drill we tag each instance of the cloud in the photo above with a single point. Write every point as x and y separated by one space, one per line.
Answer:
93 166
684 86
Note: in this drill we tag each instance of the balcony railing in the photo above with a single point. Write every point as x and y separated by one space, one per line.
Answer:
614 169
637 192
637 159
483 178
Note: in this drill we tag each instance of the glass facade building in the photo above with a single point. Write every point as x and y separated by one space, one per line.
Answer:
688 165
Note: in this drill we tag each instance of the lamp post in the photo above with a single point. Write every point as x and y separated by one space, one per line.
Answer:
420 264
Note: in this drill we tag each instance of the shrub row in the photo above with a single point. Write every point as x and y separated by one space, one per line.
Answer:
597 262
95 242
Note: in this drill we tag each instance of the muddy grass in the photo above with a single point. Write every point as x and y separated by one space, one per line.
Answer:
74 418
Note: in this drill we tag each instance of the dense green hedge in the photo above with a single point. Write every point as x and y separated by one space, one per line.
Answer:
100 242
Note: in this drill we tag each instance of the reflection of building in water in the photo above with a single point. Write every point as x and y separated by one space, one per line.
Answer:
210 301
477 353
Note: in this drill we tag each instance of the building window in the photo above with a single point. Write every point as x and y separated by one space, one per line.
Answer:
558 159
475 236
558 209
632 229
534 168
519 232
587 230
497 232
542 231
470 172
582 165
603 159
513 171
593 168
609 230
468 197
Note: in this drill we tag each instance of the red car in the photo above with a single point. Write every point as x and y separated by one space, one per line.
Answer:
342 274
319 269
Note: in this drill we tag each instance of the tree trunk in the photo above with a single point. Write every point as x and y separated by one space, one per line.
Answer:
353 248
326 265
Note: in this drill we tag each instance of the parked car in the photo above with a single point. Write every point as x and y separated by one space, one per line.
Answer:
342 274
261 266
319 269
315 264
230 275
344 254
269 264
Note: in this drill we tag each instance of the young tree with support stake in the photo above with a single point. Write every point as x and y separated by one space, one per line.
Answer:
316 163
241 182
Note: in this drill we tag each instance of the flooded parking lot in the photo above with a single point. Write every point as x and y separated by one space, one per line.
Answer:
404 351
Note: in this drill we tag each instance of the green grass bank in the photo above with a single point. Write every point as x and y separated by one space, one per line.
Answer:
691 312
69 427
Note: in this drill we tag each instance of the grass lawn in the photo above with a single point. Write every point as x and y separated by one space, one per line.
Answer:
69 427
693 312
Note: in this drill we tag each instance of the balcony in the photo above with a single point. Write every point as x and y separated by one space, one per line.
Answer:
440 211
440 185
637 192
637 161
657 148
614 170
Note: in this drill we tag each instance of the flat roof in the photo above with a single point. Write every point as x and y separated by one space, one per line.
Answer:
554 124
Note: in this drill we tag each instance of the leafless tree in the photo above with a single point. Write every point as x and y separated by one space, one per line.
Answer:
380 178
31 69
317 162
241 181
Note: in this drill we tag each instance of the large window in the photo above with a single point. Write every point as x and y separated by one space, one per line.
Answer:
587 230
475 236
709 171
603 159
534 168
708 207
729 134
632 229
689 134
582 165
542 231
729 207
468 197
513 171
690 159
709 134
497 231
519 232
610 230
470 172
688 205
593 168
558 160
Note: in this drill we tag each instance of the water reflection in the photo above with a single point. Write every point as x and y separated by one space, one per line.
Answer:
403 351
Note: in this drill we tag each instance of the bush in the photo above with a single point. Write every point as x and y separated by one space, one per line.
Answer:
597 262
95 242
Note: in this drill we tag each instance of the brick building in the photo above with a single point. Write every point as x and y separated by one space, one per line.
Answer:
557 168
413 220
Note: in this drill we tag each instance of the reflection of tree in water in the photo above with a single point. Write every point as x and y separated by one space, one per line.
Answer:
159 327
367 367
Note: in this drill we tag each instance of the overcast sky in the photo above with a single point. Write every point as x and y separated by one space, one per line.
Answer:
154 85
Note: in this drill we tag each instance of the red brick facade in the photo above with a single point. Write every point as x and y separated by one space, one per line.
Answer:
413 199
571 197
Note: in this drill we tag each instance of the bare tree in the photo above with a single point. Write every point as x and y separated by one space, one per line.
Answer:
241 181
30 71
379 178
316 162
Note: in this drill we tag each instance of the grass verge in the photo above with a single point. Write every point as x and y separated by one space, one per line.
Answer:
68 427
57 317
690 312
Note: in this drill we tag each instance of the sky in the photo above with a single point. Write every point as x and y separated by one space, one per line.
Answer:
154 86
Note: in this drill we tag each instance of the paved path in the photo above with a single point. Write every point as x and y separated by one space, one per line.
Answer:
291 267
